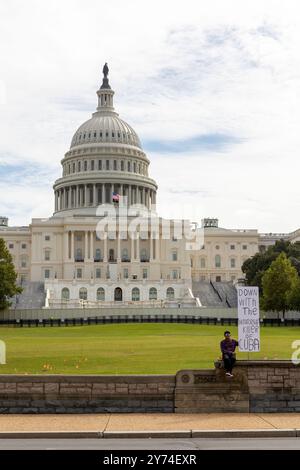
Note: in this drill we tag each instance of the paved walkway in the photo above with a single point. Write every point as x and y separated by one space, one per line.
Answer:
148 422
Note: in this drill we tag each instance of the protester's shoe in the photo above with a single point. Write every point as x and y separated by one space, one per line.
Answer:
228 374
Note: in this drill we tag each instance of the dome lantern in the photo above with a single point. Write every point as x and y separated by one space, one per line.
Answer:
105 94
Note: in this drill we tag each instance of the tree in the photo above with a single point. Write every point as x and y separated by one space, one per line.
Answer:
278 284
294 296
8 277
255 267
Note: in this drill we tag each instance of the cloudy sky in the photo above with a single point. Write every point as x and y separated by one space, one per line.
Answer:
212 87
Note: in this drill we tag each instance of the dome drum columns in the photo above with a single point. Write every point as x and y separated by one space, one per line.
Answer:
93 194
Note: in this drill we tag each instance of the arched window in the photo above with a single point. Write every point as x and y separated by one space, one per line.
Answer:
152 293
125 256
170 293
83 293
202 262
100 293
135 294
217 261
65 294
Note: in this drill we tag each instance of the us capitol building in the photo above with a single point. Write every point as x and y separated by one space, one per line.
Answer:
106 173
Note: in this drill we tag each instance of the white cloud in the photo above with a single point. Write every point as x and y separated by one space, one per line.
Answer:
179 71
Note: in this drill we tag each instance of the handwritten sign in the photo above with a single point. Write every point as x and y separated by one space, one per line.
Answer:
2 352
248 318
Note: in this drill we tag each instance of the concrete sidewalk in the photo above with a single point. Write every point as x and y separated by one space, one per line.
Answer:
151 425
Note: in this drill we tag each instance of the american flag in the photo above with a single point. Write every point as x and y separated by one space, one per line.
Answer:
115 197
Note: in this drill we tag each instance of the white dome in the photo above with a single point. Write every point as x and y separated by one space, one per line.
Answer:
105 128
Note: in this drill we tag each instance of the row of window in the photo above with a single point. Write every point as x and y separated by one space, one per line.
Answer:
232 247
100 294
218 262
11 246
105 135
116 165
174 274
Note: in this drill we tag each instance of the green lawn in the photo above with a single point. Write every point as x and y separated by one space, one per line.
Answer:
128 348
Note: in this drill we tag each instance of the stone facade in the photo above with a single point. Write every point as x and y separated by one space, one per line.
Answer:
257 386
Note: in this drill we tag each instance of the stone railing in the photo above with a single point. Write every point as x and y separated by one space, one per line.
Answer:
257 386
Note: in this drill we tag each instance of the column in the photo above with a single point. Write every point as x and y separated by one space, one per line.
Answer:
129 195
103 193
121 190
94 195
85 245
55 203
85 195
151 246
118 247
77 195
132 249
157 253
138 257
72 246
92 246
144 196
66 246
105 250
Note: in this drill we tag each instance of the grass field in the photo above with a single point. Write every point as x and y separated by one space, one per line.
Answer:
128 348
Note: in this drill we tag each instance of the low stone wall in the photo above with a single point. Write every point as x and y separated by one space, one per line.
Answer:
257 386
86 394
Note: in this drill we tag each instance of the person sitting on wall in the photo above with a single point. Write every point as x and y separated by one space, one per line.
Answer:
228 346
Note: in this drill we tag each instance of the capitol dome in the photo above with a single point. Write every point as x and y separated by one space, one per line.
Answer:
105 127
105 159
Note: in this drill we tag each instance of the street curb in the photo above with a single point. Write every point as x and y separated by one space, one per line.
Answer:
51 435
243 433
146 434
201 433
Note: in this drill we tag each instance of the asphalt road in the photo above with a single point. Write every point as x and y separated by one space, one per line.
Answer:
286 443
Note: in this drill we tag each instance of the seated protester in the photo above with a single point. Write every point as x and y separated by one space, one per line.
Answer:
228 346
